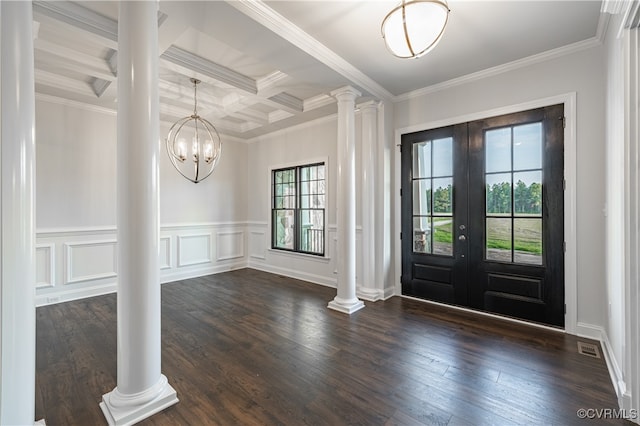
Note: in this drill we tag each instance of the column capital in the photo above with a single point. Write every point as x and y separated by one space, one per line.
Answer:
371 104
346 93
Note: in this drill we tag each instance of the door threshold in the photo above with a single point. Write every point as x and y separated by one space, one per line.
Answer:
487 314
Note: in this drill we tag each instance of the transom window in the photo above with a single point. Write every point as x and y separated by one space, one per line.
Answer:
298 209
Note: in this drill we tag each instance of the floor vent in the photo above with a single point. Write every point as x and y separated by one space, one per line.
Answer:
589 349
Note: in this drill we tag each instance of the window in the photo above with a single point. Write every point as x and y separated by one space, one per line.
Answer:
297 210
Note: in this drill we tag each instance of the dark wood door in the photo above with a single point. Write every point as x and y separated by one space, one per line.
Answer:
434 206
482 221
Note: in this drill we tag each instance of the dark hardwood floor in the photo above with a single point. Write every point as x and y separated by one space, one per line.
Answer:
247 347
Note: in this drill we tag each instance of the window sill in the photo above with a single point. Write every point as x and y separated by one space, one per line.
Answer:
297 255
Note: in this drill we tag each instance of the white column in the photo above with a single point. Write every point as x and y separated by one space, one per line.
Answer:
141 389
346 300
17 179
368 289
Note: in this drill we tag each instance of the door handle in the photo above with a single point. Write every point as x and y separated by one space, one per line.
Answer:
462 238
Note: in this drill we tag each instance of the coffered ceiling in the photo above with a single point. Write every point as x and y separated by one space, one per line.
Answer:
269 65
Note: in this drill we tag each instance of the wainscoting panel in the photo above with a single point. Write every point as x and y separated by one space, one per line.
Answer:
82 262
45 266
257 244
194 249
90 261
165 253
230 245
76 263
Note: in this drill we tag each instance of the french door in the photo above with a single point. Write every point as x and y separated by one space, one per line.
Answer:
483 215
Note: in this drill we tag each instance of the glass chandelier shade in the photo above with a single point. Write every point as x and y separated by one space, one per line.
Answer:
193 144
414 27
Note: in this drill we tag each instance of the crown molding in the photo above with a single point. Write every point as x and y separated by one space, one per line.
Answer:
75 104
304 125
318 102
79 17
288 101
263 14
501 69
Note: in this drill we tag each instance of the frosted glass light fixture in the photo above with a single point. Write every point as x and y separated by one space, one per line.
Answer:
414 27
193 144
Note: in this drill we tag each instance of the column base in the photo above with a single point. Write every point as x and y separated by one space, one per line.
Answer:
345 306
368 294
121 409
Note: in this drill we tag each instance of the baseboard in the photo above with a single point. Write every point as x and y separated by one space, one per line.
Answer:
388 292
292 273
76 293
82 292
178 275
598 333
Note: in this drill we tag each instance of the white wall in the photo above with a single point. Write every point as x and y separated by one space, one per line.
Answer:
614 320
203 226
311 142
581 72
75 166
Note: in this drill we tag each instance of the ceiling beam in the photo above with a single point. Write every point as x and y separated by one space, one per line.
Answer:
70 59
278 24
289 101
60 82
79 17
196 63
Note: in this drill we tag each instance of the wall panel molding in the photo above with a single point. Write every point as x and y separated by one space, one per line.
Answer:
194 249
165 253
229 245
90 261
45 265
257 244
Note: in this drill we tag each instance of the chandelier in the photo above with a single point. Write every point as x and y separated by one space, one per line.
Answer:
414 27
193 144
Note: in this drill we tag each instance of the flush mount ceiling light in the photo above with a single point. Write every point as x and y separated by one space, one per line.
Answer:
414 27
193 144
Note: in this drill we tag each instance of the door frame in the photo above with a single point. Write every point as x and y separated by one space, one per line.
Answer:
570 193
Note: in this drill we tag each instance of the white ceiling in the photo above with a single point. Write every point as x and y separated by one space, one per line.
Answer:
269 65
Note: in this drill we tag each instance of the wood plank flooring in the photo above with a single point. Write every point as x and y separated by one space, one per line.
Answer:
251 348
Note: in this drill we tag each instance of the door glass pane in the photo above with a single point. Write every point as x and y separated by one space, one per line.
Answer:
498 194
498 150
443 157
527 241
527 193
422 197
283 231
527 146
422 234
443 195
498 243
421 159
442 235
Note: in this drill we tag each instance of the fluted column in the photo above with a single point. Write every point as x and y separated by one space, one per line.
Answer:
368 285
346 300
141 388
17 181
